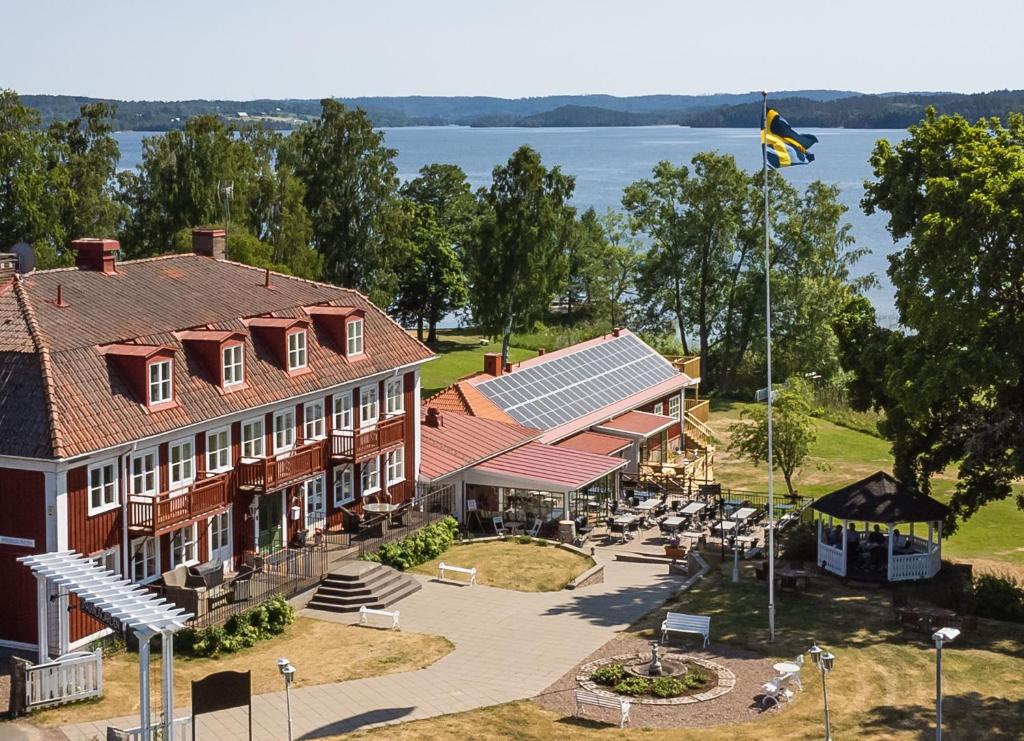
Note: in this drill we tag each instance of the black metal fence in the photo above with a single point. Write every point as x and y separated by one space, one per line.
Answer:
429 505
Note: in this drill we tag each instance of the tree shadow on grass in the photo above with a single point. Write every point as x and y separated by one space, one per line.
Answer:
354 723
968 716
622 606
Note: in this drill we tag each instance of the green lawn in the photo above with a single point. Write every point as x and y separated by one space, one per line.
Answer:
459 354
991 539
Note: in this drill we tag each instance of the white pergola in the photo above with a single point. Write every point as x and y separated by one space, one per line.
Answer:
131 605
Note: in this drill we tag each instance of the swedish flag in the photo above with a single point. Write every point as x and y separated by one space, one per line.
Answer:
783 146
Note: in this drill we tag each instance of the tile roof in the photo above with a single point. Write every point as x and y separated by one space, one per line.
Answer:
89 404
549 467
463 397
595 442
641 424
462 441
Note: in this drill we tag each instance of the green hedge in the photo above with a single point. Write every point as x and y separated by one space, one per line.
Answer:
998 597
240 631
420 547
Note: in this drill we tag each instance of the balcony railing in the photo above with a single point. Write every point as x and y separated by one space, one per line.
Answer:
268 474
356 446
688 364
163 512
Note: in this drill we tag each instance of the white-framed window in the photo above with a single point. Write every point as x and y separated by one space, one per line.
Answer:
355 337
184 546
370 476
284 430
181 456
102 487
394 401
218 450
109 560
344 491
145 559
160 386
253 439
143 478
343 410
313 420
673 407
659 408
369 409
234 370
396 466
297 350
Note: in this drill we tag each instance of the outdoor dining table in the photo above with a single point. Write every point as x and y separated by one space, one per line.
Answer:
692 535
648 505
673 523
724 527
786 667
381 508
626 519
743 514
514 525
692 508
788 576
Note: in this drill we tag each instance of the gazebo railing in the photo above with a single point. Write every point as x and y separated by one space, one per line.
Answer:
915 565
832 558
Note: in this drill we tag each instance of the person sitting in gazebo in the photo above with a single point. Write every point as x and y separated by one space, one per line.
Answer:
852 543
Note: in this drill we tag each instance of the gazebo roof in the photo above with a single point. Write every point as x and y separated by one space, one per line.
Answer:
880 498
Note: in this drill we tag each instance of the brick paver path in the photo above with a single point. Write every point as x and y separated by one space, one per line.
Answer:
508 646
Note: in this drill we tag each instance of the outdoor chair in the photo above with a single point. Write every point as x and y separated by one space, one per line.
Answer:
534 530
775 690
499 526
676 504
617 531
633 527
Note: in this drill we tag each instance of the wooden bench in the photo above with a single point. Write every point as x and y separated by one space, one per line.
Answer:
679 622
392 615
585 697
443 567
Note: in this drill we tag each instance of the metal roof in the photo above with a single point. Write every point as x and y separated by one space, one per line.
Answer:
545 468
132 605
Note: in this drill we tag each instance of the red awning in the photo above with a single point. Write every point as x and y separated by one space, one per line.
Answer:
595 442
544 467
637 424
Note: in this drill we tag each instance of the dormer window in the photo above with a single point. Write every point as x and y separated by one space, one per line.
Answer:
354 332
160 386
232 368
297 350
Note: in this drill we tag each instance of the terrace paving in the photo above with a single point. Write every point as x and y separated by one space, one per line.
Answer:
508 646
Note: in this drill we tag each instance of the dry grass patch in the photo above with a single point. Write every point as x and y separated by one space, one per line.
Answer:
510 564
321 652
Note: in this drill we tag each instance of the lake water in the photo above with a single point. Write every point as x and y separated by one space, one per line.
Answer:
605 160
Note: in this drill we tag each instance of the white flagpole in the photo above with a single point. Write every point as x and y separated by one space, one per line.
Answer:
768 357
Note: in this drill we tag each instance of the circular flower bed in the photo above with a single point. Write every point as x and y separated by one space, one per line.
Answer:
698 680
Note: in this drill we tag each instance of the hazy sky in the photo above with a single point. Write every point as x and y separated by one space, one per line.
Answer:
305 49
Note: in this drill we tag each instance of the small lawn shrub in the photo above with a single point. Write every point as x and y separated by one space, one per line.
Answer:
609 675
242 630
420 547
667 687
999 598
633 686
541 542
801 543
524 540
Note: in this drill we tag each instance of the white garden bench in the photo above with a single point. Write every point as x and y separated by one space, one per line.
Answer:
392 615
443 567
585 697
679 622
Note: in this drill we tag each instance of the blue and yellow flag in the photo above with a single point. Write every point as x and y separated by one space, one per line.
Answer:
783 146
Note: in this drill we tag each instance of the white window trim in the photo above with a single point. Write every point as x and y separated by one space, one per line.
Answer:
209 533
390 456
362 470
400 397
184 483
339 472
343 396
219 469
195 546
659 408
150 385
349 352
291 445
323 419
678 404
304 350
262 421
134 545
115 482
368 423
155 453
240 365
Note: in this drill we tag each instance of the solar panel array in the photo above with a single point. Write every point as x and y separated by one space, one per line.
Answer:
562 389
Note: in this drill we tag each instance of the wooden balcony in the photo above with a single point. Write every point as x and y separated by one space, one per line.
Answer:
269 474
356 446
688 364
165 512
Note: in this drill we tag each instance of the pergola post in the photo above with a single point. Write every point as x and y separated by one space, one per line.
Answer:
167 655
845 561
144 718
42 599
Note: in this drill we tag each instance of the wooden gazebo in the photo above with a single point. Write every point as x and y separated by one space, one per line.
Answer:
880 499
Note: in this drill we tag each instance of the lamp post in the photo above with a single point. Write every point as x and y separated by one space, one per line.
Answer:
288 672
825 661
941 637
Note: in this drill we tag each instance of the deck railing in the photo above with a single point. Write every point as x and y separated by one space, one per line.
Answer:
698 431
158 514
699 408
688 364
911 566
358 445
832 558
268 474
72 677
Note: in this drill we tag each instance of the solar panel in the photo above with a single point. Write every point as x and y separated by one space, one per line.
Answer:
571 386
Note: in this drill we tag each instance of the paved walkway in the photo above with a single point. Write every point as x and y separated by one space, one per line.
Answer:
508 646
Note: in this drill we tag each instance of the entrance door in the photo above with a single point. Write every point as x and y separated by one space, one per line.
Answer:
270 530
316 508
220 537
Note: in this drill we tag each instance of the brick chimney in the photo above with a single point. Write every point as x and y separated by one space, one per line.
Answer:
540 351
492 363
96 254
617 332
8 267
434 418
210 242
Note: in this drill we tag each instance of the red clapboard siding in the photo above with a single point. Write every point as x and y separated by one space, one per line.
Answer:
412 410
23 502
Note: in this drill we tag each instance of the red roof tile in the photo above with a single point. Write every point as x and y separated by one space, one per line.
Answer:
559 469
595 442
464 398
461 441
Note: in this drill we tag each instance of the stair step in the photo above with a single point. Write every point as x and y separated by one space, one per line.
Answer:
355 585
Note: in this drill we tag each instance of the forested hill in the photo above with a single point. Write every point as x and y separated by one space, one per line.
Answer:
821 108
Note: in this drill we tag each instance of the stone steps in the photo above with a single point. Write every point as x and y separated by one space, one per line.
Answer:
362 583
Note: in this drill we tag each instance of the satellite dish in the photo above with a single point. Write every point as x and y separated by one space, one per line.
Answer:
26 257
